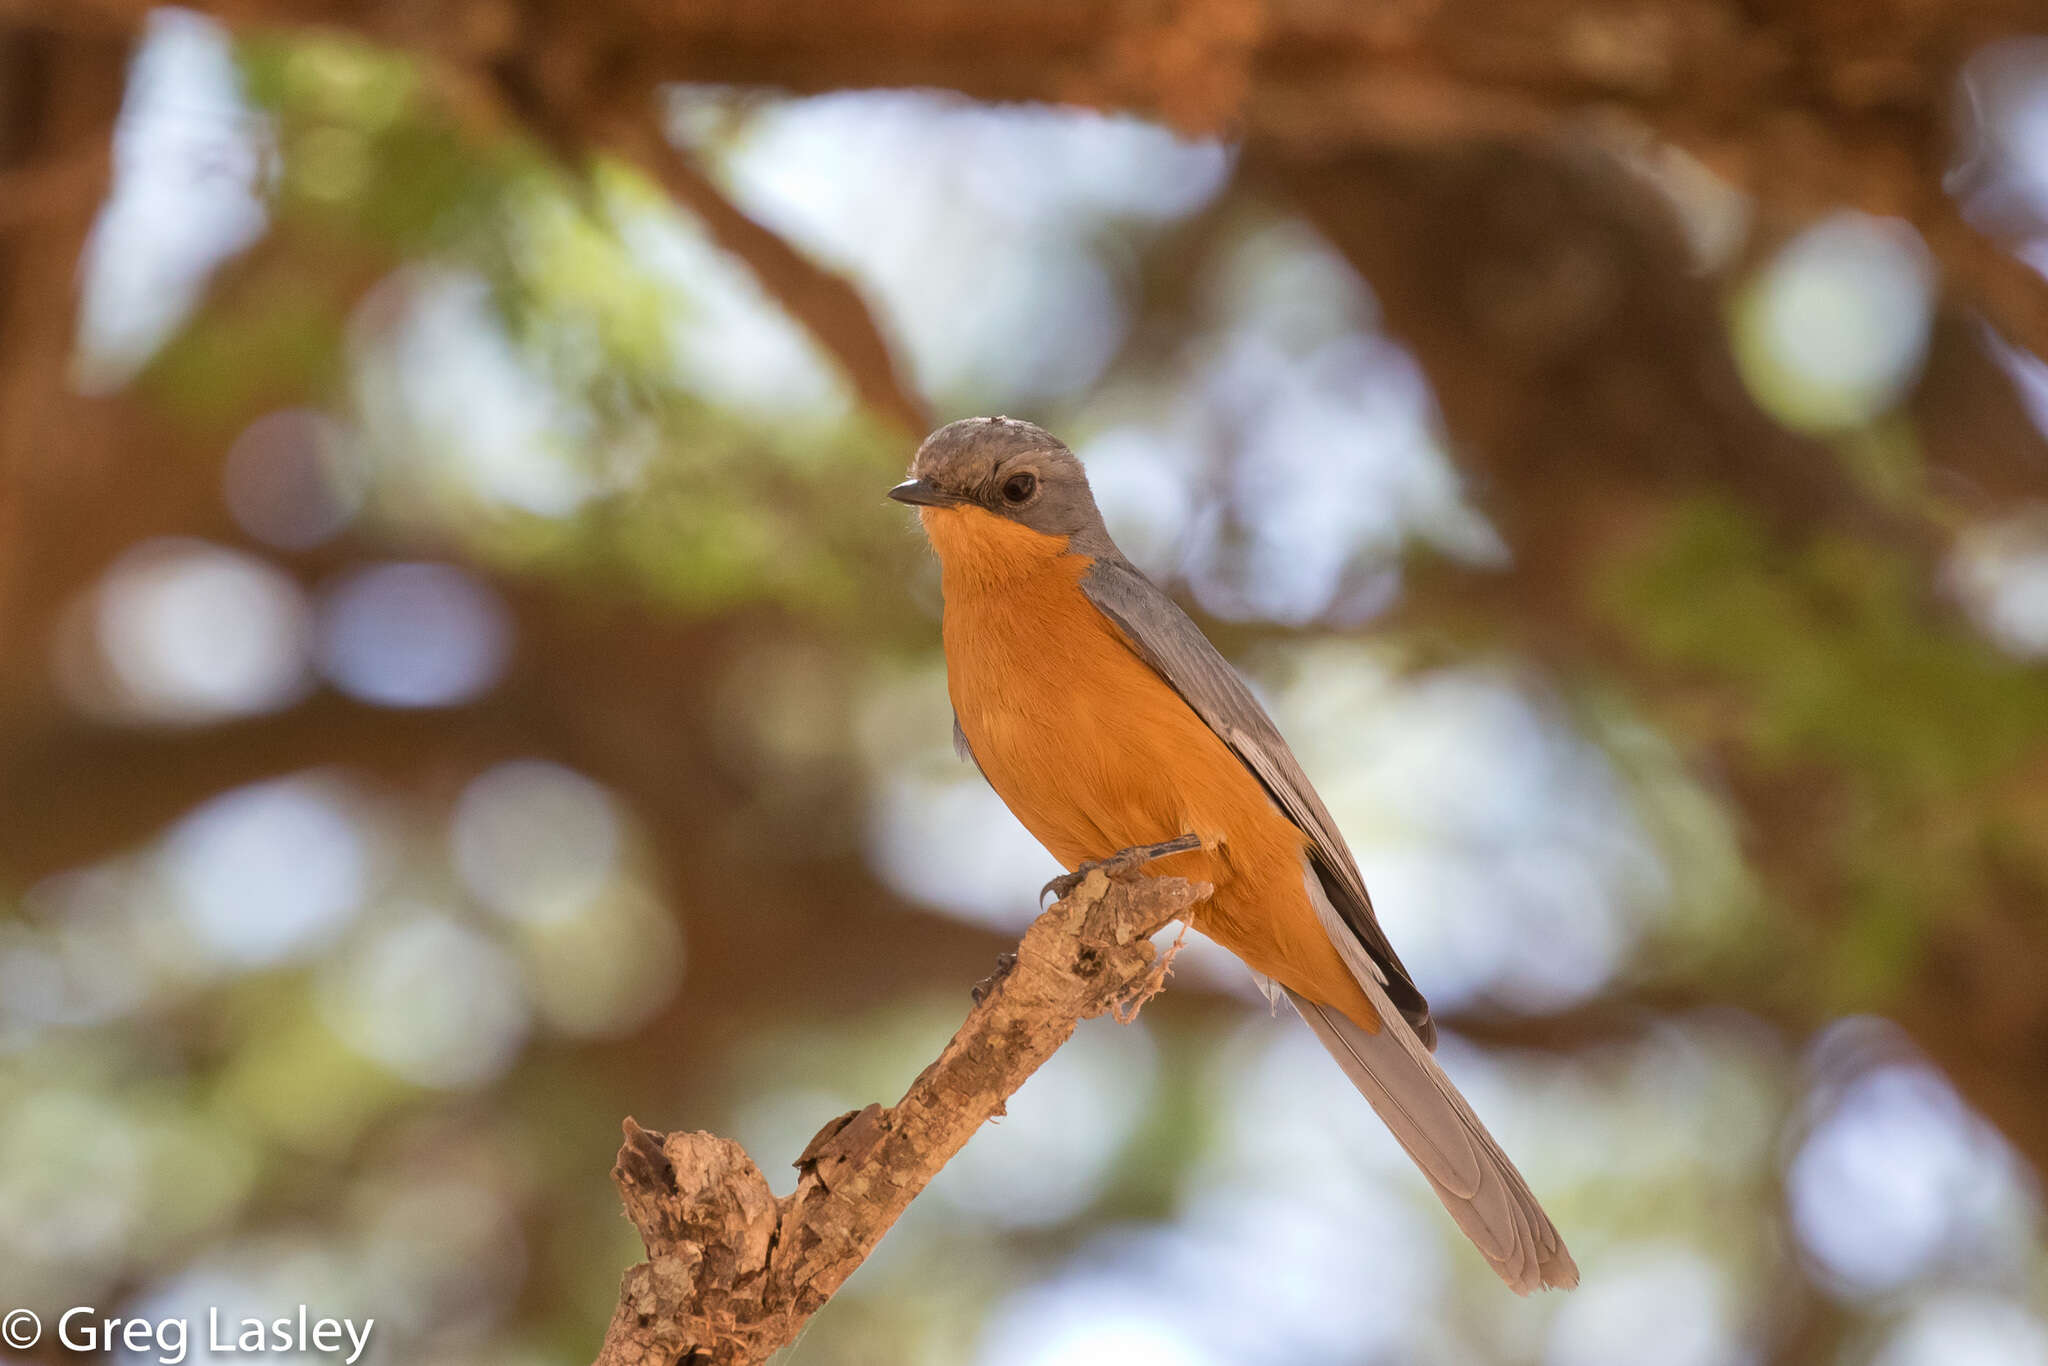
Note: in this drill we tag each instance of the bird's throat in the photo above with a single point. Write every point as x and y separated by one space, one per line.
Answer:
978 550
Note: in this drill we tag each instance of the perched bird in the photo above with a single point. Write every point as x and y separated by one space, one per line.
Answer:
1105 720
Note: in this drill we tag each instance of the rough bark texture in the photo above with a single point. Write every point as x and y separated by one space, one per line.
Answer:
732 1274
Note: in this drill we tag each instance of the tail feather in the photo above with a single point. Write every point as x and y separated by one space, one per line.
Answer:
1471 1175
1394 1070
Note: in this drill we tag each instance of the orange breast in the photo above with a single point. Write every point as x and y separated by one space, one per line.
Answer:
1094 752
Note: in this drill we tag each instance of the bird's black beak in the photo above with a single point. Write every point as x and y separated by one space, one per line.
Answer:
918 493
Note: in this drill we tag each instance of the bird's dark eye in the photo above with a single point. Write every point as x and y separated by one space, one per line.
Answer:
1018 488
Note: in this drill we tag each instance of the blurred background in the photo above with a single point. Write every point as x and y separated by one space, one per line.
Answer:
461 682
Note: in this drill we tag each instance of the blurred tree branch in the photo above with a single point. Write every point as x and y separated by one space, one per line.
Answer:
1378 124
58 98
733 1274
1579 356
551 101
1806 106
824 303
1349 114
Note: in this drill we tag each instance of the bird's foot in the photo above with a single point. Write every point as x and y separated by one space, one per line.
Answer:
1120 864
1004 962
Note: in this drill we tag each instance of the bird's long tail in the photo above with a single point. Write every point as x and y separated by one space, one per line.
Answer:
1471 1175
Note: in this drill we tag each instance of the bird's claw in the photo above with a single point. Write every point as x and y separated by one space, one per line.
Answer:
1120 864
1061 887
1004 962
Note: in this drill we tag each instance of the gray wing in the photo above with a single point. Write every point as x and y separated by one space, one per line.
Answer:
1164 637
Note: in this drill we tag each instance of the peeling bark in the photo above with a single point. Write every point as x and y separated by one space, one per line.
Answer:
733 1274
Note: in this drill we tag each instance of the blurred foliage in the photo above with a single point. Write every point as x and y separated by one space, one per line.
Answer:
693 507
691 844
1829 666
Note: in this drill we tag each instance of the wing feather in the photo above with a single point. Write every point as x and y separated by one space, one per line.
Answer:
1164 637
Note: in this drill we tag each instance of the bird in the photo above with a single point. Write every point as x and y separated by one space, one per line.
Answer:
1106 721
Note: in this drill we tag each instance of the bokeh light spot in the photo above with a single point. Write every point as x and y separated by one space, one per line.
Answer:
535 841
967 224
267 872
1140 480
1050 1328
74 957
188 162
187 633
292 478
413 635
1833 331
1967 1328
2000 571
1660 1303
439 1003
1898 1176
72 1179
450 401
602 972
2003 178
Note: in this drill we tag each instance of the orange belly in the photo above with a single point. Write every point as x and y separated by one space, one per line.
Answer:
1094 753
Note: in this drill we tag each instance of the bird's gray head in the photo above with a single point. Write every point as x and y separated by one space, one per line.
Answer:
1016 470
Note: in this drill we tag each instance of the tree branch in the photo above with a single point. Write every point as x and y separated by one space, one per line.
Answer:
733 1274
1803 111
573 110
825 303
